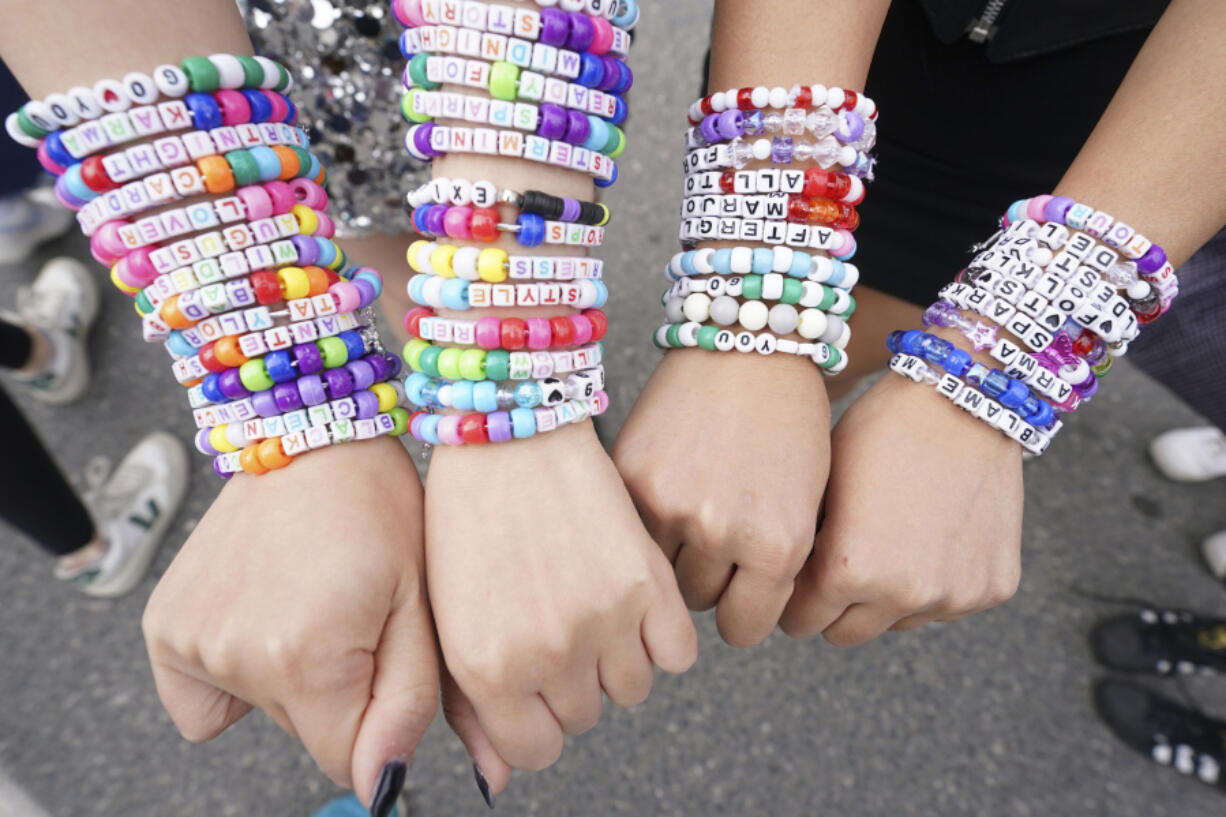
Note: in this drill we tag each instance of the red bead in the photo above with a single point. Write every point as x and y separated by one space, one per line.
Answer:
267 287
332 276
798 209
804 99
563 331
850 98
1084 344
95 176
727 182
412 321
472 429
706 106
600 323
838 186
744 99
514 334
209 360
485 224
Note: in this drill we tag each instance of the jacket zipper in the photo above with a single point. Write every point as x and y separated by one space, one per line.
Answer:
984 28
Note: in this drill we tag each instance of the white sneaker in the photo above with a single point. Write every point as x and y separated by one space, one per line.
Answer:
133 509
27 220
1190 454
1214 551
62 303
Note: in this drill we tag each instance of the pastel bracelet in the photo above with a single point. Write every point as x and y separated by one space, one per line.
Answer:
483 224
460 192
494 265
589 70
503 426
769 287
692 334
781 319
576 31
486 396
458 294
429 141
511 334
621 13
498 364
848 127
762 261
259 330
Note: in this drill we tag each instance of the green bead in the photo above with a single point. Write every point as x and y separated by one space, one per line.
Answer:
498 364
752 288
792 290
417 72
1104 367
142 303
401 419
406 108
835 357
412 353
851 307
673 336
254 375
472 364
334 352
449 363
202 75
246 170
304 159
253 72
504 81
706 338
429 361
27 125
827 300
283 78
619 146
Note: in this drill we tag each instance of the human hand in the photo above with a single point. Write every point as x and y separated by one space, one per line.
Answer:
301 592
546 590
922 522
726 456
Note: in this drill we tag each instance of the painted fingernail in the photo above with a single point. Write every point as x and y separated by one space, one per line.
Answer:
483 785
388 788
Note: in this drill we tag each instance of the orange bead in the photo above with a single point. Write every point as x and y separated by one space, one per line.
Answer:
228 352
318 278
249 460
289 162
173 317
218 177
271 456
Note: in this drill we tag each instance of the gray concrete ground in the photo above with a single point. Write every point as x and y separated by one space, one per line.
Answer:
990 716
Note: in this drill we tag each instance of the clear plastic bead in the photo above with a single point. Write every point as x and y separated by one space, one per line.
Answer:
1121 274
794 122
821 122
930 377
868 139
740 152
772 121
803 151
505 397
826 152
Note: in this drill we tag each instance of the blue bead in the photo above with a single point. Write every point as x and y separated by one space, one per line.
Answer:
837 274
1014 394
353 344
76 185
429 429
976 373
1044 416
591 71
763 261
957 362
1028 407
687 263
1016 211
598 136
280 366
455 293
412 387
429 394
462 395
267 161
485 396
609 182
802 263
620 111
935 349
528 394
629 14
178 344
893 341
261 108
602 293
206 114
291 112
54 143
995 384
327 252
911 341
314 172
721 260
405 50
211 390
375 281
533 232
523 423
624 80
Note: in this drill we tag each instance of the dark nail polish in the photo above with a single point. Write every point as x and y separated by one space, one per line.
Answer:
387 788
483 785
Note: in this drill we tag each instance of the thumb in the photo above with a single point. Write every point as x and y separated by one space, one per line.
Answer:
403 699
200 710
492 772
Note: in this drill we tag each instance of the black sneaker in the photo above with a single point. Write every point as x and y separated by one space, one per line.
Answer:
1166 642
1168 733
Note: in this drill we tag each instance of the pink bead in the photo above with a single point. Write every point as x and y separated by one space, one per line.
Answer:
489 333
847 247
1036 206
449 430
583 329
602 37
282 195
458 223
327 228
309 193
140 269
235 109
600 401
408 13
106 245
346 296
256 201
49 164
540 336
279 109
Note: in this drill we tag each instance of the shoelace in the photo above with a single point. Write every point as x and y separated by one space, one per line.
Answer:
1181 634
1190 748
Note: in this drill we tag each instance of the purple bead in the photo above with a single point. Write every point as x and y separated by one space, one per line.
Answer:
1153 260
286 397
265 402
612 74
434 220
851 127
421 140
338 382
367 404
231 385
555 27
395 365
308 250
709 128
731 124
415 423
367 290
781 150
311 390
203 445
627 78
578 128
553 122
217 469
752 123
1087 388
570 209
308 358
362 372
582 32
498 426
383 369
1057 209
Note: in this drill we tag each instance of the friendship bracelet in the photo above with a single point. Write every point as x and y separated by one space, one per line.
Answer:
769 287
592 33
748 99
780 150
487 396
782 319
510 334
839 243
283 410
621 13
813 182
503 426
429 141
459 295
308 366
761 261
486 194
258 330
498 364
847 127
494 265
481 224
692 334
773 207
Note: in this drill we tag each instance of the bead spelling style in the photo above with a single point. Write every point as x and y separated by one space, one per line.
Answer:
460 295
761 261
429 141
461 192
495 265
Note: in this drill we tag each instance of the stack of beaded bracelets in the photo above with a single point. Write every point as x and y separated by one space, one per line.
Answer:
1071 285
800 282
556 79
234 271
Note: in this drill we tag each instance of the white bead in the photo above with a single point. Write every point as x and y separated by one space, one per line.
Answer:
111 95
61 109
702 261
571 5
856 191
725 341
821 269
730 97
1138 290
662 337
465 263
847 156
171 81
811 323
697 307
760 97
745 342
779 97
724 310
818 92
484 193
674 266
742 260
842 301
423 258
782 262
715 286
851 276
18 135
753 315
811 293
461 192
762 149
432 290
772 286
141 88
843 339
40 114
717 102
1041 256
835 97
688 333
674 310
271 74
229 71
783 319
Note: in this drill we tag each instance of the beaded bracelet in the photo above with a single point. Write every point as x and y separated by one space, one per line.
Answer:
621 13
498 364
494 265
762 261
973 401
503 426
769 287
691 334
482 224
307 367
487 396
592 33
429 141
748 99
459 295
35 119
510 334
258 330
773 207
848 127
506 81
780 150
812 182
781 319
486 194
839 243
